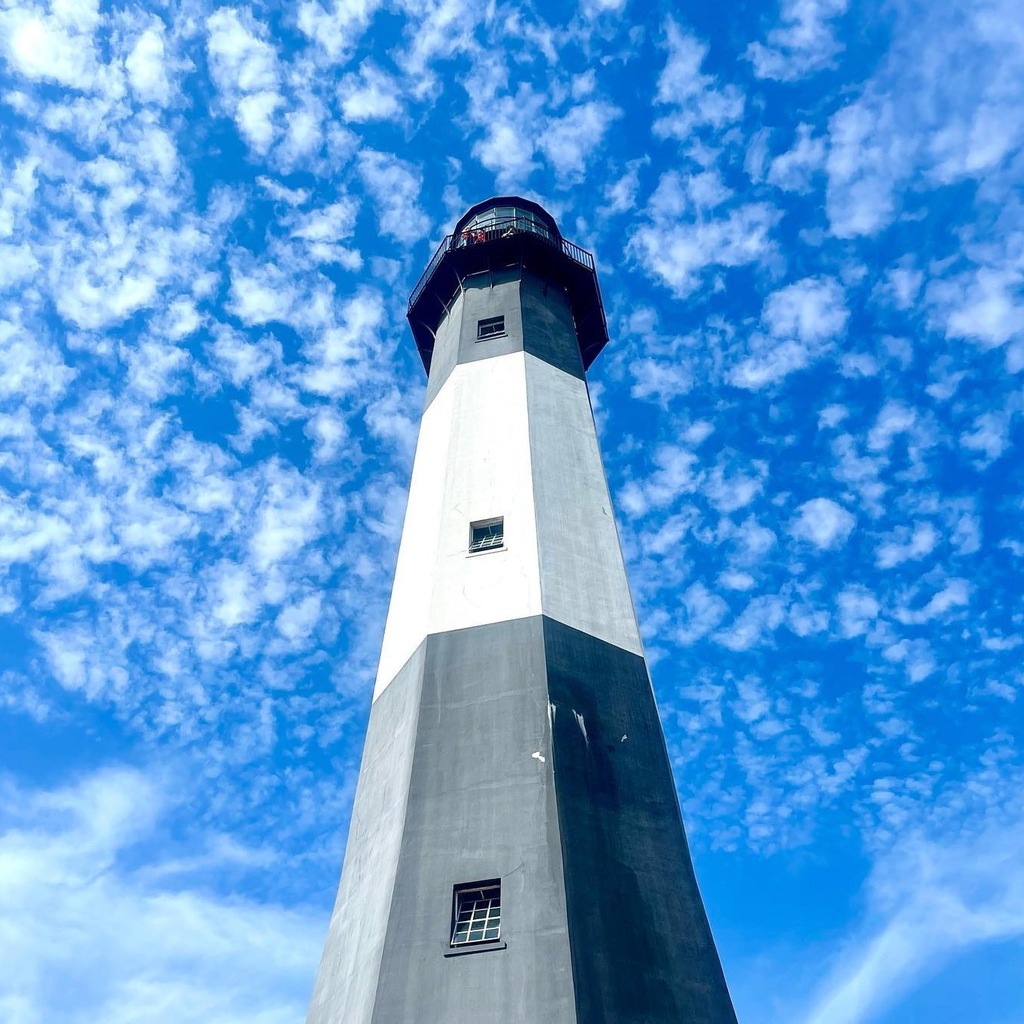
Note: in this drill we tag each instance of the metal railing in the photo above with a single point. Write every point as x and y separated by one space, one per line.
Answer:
492 232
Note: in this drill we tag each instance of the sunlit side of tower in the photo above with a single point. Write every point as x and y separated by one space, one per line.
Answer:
516 852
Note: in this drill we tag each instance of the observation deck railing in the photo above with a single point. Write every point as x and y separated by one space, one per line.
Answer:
480 234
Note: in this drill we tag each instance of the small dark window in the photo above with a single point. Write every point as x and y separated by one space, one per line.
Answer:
492 327
476 914
486 535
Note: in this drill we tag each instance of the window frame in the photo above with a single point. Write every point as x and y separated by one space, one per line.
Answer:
482 547
467 945
491 321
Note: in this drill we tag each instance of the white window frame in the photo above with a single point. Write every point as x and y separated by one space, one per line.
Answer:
485 546
470 915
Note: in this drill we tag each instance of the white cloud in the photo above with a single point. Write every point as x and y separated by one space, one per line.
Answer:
255 117
757 622
91 928
436 29
697 99
240 58
297 621
811 310
984 304
802 319
732 579
245 68
823 523
990 435
929 900
902 284
569 141
904 545
858 610
804 42
395 187
517 125
792 170
955 594
729 492
281 193
336 29
262 293
620 195
894 418
53 41
595 8
868 155
234 600
288 517
328 224
370 95
329 432
31 370
914 115
704 610
753 540
510 123
682 237
340 356
675 475
147 66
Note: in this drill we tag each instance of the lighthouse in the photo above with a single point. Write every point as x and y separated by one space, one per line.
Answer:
516 853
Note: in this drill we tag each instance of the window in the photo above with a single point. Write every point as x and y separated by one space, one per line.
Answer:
476 915
502 221
487 535
492 327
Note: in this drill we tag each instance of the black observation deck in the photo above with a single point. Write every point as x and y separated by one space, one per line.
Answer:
508 231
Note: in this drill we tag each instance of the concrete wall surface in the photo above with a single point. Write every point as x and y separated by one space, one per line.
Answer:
509 432
472 463
346 982
642 949
538 760
582 572
481 806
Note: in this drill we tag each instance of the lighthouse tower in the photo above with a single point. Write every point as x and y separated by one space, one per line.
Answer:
516 853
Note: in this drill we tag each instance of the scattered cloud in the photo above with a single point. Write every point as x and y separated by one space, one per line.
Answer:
688 230
695 98
131 940
929 900
801 321
822 523
803 42
394 186
370 95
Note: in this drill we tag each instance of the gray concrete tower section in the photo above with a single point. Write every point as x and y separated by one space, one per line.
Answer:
516 852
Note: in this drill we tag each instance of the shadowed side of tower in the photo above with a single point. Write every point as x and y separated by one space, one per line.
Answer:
516 851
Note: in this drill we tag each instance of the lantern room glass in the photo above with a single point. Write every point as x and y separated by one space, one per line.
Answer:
500 221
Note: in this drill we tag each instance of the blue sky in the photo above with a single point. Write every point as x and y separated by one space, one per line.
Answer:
808 222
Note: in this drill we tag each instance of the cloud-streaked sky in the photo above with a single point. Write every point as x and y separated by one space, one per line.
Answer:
809 227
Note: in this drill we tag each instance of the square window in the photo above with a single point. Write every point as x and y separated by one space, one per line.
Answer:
476 913
487 535
491 327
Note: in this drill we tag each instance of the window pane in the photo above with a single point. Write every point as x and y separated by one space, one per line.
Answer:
477 911
485 536
490 326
